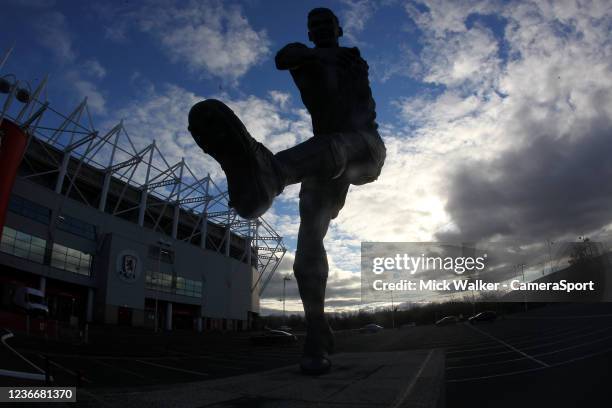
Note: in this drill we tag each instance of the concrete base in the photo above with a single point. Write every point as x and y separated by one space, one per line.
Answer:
384 379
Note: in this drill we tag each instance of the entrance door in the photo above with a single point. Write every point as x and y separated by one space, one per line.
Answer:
124 316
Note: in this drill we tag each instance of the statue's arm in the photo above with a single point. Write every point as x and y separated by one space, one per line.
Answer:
358 58
294 55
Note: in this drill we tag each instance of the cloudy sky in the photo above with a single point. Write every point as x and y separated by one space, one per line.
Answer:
497 115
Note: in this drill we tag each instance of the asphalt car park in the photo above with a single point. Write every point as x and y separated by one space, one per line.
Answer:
554 356
151 360
558 356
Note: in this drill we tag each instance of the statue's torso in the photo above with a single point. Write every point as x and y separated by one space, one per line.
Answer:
338 97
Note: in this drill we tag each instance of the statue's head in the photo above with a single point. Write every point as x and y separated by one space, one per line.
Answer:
323 28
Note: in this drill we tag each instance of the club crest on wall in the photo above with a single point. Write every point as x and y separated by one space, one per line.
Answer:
128 266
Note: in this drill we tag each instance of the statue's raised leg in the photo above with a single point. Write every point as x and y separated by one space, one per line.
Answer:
255 176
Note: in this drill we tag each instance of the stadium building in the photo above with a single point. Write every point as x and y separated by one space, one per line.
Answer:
107 231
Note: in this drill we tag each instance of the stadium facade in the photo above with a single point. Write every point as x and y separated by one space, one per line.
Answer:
113 233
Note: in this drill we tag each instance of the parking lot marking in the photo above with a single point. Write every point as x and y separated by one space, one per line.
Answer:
531 347
172 368
215 362
571 338
583 357
237 357
399 402
575 346
459 346
460 367
8 336
21 374
119 369
523 339
594 316
522 358
561 363
69 371
496 375
543 364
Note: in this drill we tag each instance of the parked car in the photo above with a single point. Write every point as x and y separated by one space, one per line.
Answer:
371 328
446 320
486 316
31 300
273 337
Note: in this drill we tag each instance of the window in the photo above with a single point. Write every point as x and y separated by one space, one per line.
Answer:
29 209
71 260
23 245
188 287
163 282
76 226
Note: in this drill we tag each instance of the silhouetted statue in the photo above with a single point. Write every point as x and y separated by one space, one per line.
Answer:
345 149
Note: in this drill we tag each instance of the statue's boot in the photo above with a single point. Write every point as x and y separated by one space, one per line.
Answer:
255 176
315 364
317 347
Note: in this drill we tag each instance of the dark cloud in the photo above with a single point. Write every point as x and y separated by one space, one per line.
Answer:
550 185
335 289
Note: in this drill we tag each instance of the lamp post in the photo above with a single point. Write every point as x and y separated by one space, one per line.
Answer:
550 244
285 279
392 312
522 266
167 244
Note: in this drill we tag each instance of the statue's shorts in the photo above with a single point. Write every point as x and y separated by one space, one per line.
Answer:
360 155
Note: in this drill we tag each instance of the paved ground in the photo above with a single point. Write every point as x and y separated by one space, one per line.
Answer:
386 379
554 356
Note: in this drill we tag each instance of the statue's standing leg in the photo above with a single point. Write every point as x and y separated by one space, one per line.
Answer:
320 202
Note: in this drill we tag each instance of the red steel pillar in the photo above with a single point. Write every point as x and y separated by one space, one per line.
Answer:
14 141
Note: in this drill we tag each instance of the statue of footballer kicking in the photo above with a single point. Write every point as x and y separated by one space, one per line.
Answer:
345 149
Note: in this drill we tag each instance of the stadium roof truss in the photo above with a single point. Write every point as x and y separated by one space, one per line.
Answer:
72 138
